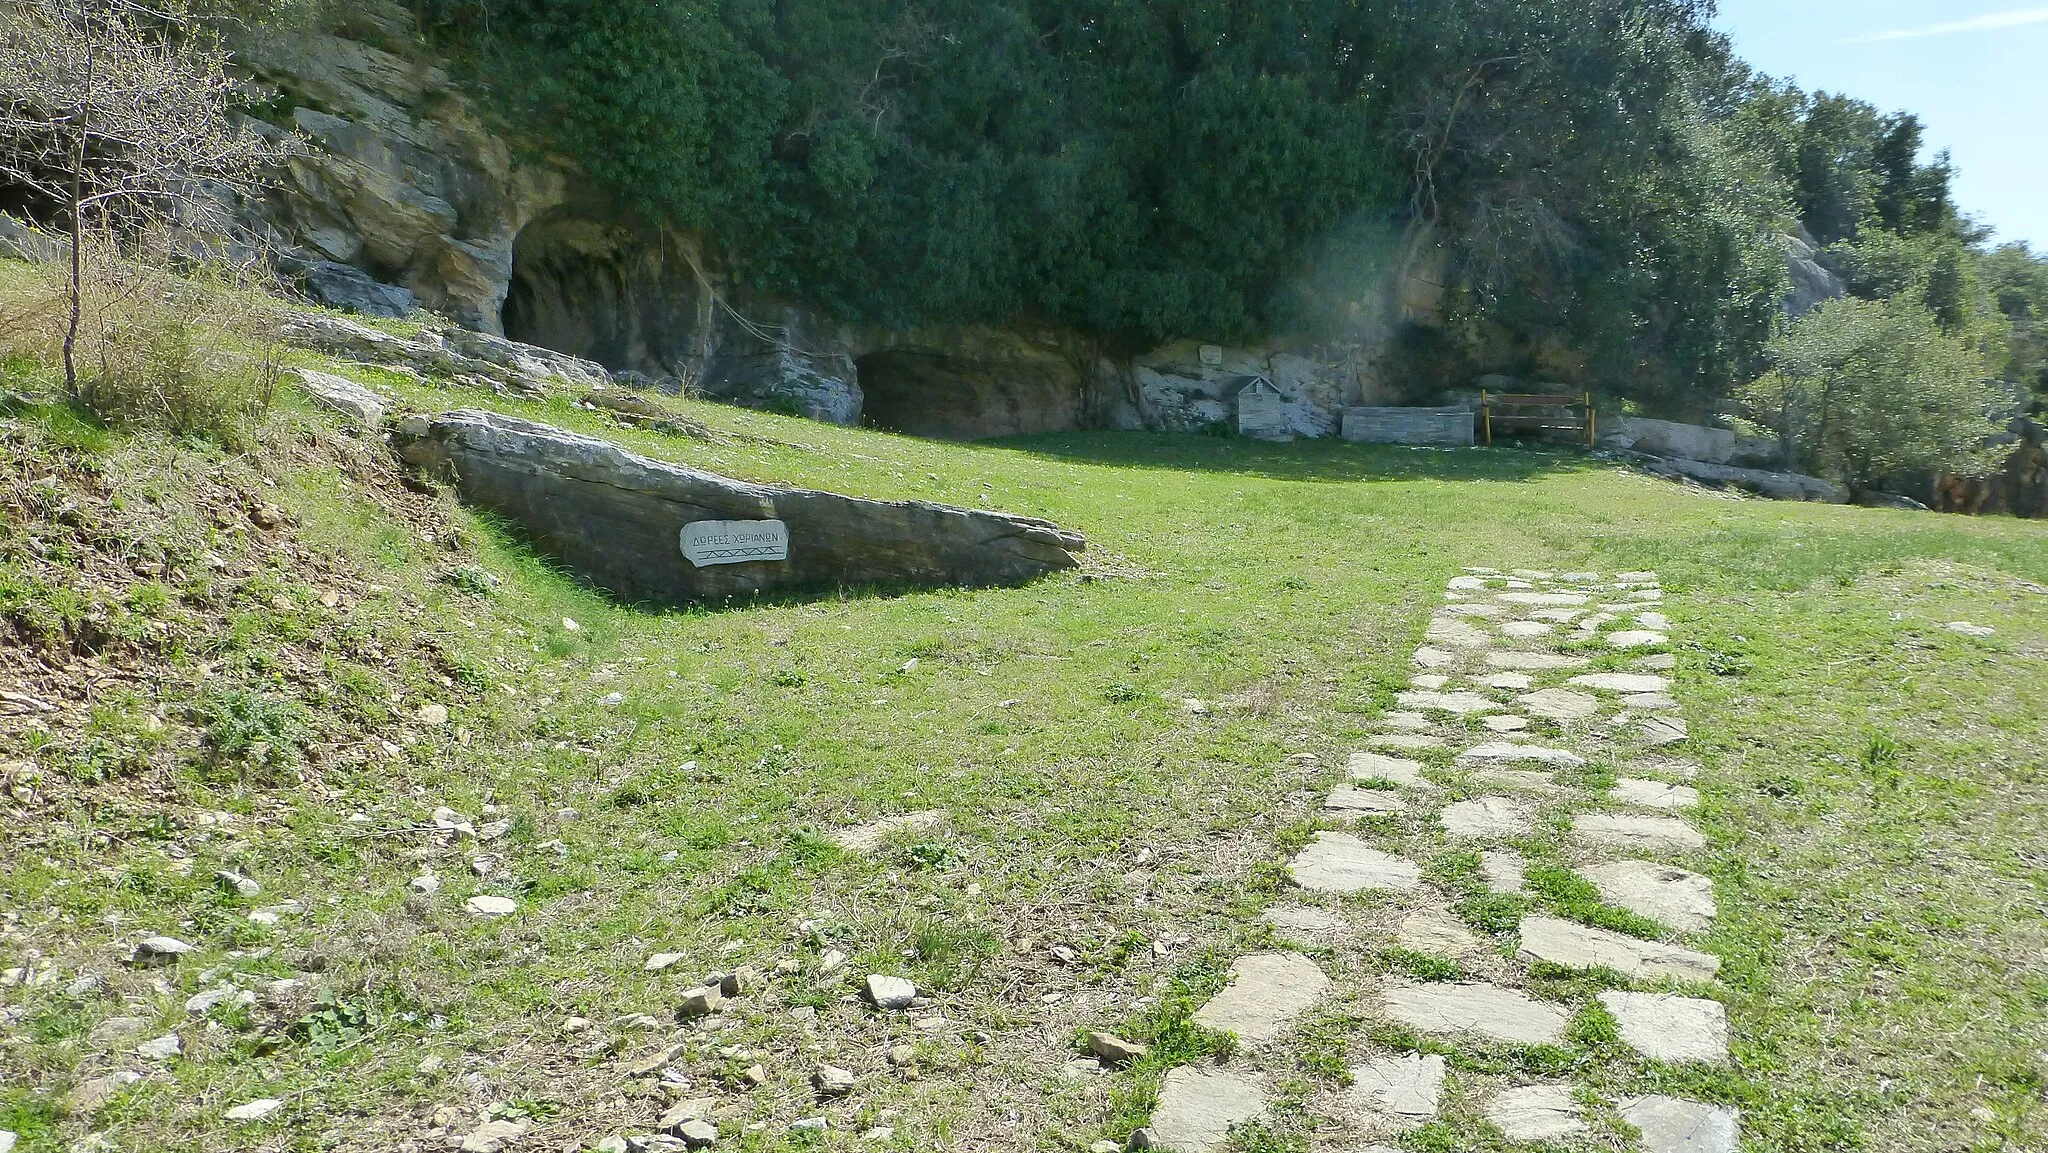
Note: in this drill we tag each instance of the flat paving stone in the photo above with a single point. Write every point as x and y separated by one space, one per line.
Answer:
1556 616
1577 946
1405 742
1561 705
1474 609
1511 752
1350 800
1304 919
1391 1094
1517 661
1536 1113
1527 630
1654 794
1503 870
1433 932
1514 682
1461 703
1543 599
1661 662
1467 583
1486 817
1666 894
1393 770
1197 1107
1623 682
1434 658
1267 991
1636 639
1648 701
1628 831
1404 721
1654 620
1486 1010
1675 1125
1505 724
1429 681
1660 731
1667 1027
1455 633
1527 780
1341 863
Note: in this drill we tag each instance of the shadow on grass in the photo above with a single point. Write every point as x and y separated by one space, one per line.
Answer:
1320 461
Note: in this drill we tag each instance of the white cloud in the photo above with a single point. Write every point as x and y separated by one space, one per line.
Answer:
1989 22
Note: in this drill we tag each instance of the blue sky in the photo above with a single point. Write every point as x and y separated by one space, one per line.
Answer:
1975 72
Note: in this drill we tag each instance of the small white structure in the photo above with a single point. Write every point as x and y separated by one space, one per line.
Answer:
1262 410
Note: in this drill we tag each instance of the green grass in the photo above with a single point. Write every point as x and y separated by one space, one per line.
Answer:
1873 789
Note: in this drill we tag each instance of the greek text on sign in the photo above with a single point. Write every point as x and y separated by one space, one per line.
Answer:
710 542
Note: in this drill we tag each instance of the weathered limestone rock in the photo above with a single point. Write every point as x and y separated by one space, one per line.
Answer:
1503 870
1536 1113
1667 438
1654 794
1267 991
1579 946
615 518
1660 731
1197 1107
364 406
1393 770
1390 1094
1623 682
1626 831
1775 485
1561 705
1674 1125
1460 703
1500 751
1666 894
1486 817
1486 1010
1667 1027
349 288
1341 863
519 368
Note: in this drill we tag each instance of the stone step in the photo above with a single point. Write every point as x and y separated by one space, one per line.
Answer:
1392 1094
1394 770
1668 1027
1341 863
1512 751
1579 946
1536 1113
1675 1125
1197 1107
1654 794
1267 992
1352 801
1490 817
1666 894
1479 1009
1627 831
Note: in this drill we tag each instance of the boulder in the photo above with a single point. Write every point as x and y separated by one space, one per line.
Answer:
617 518
1776 485
447 352
1670 439
349 288
363 405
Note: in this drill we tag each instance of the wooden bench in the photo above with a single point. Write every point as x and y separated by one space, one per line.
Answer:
1539 411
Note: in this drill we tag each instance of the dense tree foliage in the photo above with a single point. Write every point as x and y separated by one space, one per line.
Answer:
1607 176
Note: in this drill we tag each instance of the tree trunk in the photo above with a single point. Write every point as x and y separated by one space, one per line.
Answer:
84 129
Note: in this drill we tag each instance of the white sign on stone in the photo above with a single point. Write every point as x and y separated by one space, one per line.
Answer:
715 542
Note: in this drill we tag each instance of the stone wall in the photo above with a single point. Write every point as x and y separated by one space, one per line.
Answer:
1437 427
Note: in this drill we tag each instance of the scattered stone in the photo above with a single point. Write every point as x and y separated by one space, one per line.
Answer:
7 1140
1636 638
1654 794
432 714
1114 1050
1660 731
1487 1010
154 951
1395 770
739 982
1486 817
698 1134
1302 919
868 837
90 1097
1505 724
1460 703
883 1134
257 1110
903 1056
1350 800
754 1076
1267 991
811 1124
699 1003
1429 932
655 1063
1395 1093
1536 1113
1503 870
1509 751
432 1065
1561 705
1970 630
1583 947
1626 831
238 884
831 961
493 1136
1662 662
886 992
161 1048
1340 863
1623 682
1534 662
1672 1125
116 1029
832 1081
484 905
1666 894
1667 1027
206 1001
1196 1109
660 961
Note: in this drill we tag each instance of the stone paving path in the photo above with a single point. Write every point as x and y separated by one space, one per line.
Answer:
1539 730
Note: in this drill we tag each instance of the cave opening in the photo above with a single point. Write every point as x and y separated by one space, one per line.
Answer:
955 397
591 289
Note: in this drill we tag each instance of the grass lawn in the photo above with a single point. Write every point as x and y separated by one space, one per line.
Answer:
1117 754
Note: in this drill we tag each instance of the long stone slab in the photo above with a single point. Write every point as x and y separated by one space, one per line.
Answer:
617 519
1511 751
1623 682
1352 801
1517 661
1341 863
1197 1107
1267 991
1579 946
1628 831
1667 1027
1484 1010
1675 1125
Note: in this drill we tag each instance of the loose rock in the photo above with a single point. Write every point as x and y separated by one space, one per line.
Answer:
257 1110
155 951
493 1136
484 905
886 992
832 1081
1114 1050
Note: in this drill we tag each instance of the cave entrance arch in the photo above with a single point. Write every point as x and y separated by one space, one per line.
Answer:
948 394
593 289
